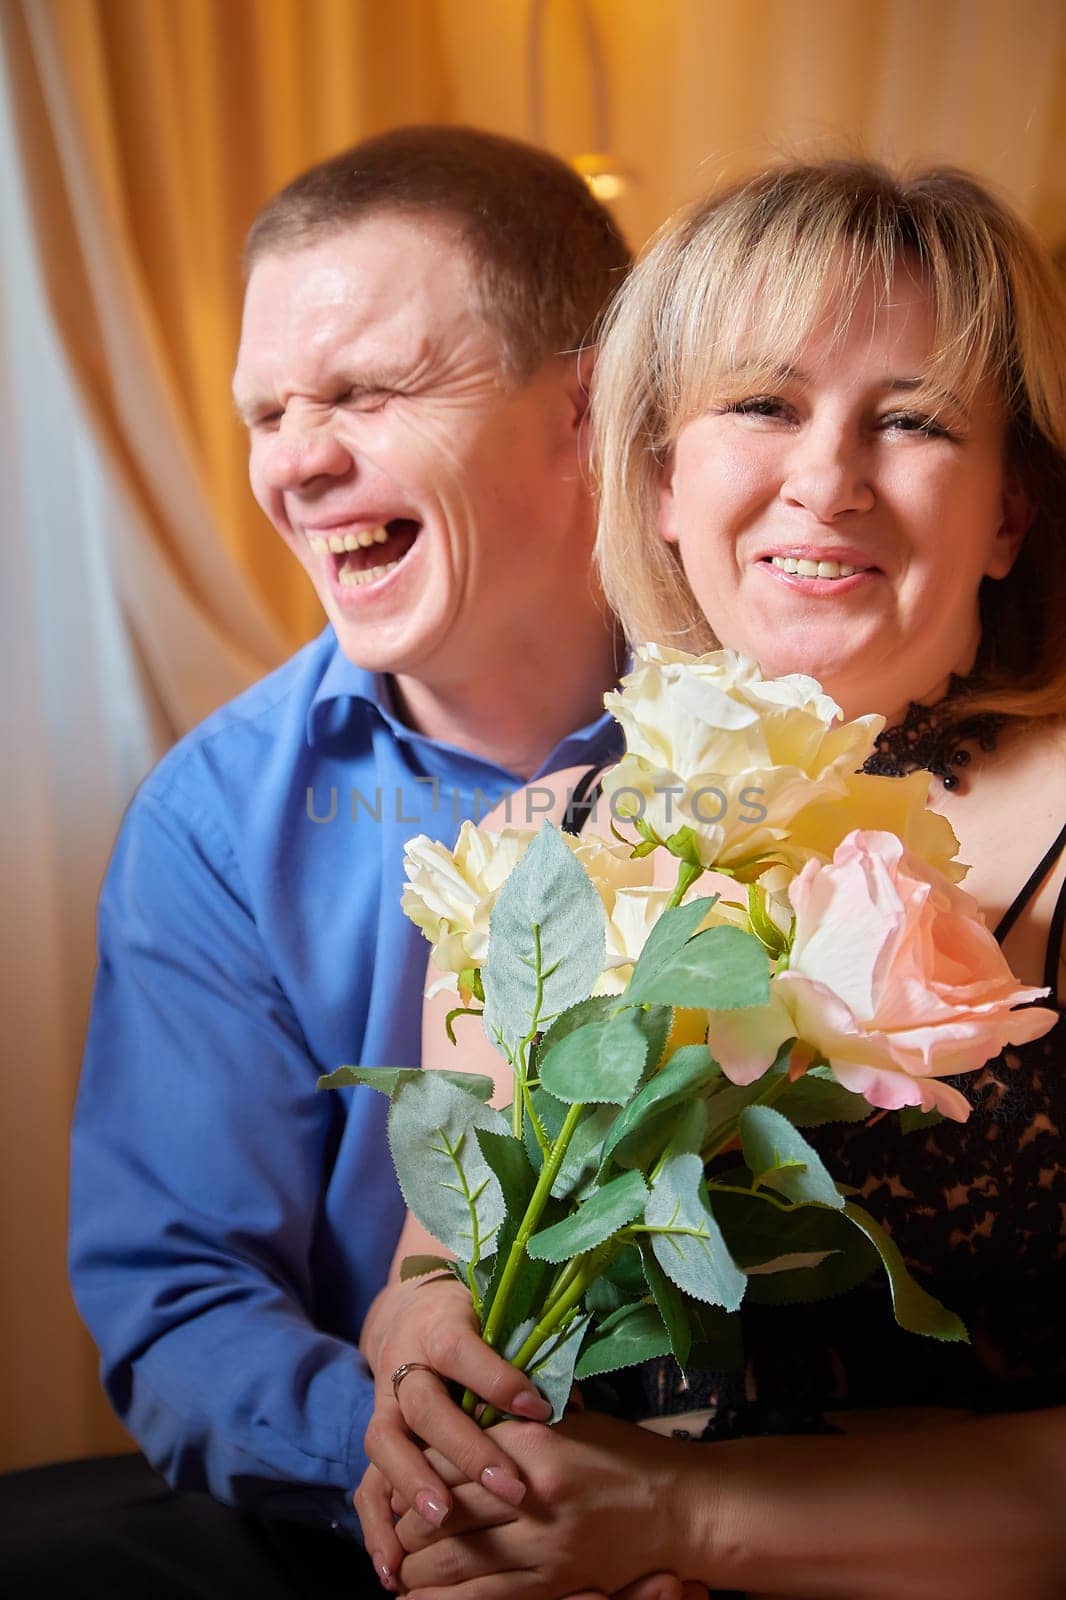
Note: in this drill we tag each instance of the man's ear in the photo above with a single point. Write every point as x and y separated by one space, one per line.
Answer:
1019 509
581 385
578 417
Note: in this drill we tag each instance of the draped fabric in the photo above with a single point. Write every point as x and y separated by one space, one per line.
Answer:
141 586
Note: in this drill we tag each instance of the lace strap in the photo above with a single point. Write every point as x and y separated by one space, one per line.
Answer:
1029 888
1056 933
583 798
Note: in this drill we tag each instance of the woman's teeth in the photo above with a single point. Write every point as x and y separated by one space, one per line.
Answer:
339 542
813 569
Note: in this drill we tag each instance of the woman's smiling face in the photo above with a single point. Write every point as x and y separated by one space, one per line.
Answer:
836 524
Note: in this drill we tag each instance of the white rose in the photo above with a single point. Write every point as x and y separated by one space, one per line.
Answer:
714 746
450 893
631 901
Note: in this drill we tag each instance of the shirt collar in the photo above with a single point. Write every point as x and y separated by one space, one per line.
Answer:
343 682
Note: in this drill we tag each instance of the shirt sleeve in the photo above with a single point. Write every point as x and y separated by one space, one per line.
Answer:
200 1157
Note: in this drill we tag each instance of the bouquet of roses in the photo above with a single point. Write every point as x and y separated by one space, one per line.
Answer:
670 1046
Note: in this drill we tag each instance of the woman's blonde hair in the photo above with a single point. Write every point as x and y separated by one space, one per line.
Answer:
790 241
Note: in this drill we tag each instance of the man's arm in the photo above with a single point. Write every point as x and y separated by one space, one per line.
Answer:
200 1158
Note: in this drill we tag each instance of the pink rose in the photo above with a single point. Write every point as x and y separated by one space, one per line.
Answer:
895 978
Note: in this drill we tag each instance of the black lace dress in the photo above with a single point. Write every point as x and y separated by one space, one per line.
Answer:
979 1212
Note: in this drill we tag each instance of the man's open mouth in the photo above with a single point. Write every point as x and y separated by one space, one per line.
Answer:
364 555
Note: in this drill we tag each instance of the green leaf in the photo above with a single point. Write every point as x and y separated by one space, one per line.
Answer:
728 1100
529 1286
622 1283
443 1175
721 969
388 1079
794 1261
551 1114
688 1072
595 1220
547 928
582 1153
685 846
598 1064
763 925
507 1157
627 1271
686 1239
666 940
817 1098
912 1119
418 1266
779 1156
717 1339
552 1369
915 1309
757 1231
594 1009
602 1297
632 1335
671 1304
690 1129
654 1022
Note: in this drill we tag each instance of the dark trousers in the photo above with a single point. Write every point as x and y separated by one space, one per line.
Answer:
112 1528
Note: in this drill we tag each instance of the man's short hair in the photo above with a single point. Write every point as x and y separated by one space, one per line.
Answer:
546 255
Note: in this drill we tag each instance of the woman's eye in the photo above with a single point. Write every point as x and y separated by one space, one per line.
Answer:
760 405
916 422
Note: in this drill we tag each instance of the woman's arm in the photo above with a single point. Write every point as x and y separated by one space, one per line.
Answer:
960 1511
432 1322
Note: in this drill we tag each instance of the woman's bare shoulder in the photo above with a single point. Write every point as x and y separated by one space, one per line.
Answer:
1007 814
546 799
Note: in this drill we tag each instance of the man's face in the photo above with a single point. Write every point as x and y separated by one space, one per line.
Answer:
435 506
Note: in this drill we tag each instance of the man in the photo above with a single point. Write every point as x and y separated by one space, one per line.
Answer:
409 377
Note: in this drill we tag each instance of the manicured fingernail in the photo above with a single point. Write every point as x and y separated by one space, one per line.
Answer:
528 1403
431 1507
504 1485
384 1573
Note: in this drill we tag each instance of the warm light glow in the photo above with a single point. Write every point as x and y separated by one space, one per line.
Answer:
604 175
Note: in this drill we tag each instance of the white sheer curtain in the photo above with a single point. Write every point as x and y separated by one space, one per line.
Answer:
83 721
79 732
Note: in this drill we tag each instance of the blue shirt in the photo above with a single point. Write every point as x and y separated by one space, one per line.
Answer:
230 1225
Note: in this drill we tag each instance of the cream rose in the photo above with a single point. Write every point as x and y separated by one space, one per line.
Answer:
882 805
893 977
632 902
450 893
714 746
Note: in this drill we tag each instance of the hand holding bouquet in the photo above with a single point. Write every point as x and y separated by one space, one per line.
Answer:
669 1048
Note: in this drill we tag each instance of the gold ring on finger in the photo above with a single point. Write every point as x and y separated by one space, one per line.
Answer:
406 1367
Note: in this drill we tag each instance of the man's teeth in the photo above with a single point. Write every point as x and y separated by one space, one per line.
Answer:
813 569
353 579
338 543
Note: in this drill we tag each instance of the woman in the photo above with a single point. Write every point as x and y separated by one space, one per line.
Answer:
831 424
